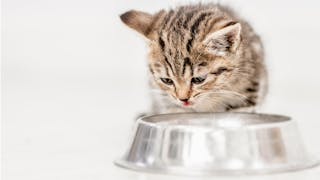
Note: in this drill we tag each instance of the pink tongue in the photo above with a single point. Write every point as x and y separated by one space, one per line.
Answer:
186 103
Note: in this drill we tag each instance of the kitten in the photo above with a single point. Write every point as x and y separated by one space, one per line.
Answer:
203 58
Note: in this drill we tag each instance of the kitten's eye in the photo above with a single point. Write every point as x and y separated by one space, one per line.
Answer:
220 71
198 80
166 81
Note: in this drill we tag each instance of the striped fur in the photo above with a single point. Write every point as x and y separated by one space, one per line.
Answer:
204 41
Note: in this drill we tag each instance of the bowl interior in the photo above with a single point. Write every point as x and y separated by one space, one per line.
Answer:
216 119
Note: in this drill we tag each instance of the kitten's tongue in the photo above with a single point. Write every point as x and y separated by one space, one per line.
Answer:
186 103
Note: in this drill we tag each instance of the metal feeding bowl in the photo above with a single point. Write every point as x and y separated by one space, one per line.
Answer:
219 143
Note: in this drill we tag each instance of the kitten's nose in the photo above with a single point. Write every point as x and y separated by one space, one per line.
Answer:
184 100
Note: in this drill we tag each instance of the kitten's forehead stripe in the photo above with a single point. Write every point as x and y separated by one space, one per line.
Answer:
200 18
187 19
170 66
172 20
162 45
194 29
165 22
167 71
187 62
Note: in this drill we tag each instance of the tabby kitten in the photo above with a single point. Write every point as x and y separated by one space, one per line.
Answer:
203 58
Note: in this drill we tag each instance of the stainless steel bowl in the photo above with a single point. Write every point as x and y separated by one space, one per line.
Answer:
219 143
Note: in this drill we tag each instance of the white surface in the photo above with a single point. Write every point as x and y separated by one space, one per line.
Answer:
74 79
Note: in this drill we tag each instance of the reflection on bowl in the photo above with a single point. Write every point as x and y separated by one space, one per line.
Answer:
216 143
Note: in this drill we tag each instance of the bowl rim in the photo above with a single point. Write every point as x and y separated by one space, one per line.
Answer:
277 120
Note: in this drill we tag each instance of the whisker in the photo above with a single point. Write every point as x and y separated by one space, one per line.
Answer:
227 94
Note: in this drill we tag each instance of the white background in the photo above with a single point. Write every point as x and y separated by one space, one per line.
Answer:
74 78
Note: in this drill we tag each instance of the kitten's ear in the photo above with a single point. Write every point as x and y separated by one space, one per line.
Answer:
139 21
223 41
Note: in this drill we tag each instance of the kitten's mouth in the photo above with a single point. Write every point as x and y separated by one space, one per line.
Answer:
186 103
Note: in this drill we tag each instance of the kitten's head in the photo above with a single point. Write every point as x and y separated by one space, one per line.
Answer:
193 53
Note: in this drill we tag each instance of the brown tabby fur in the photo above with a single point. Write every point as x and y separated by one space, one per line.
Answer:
205 41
